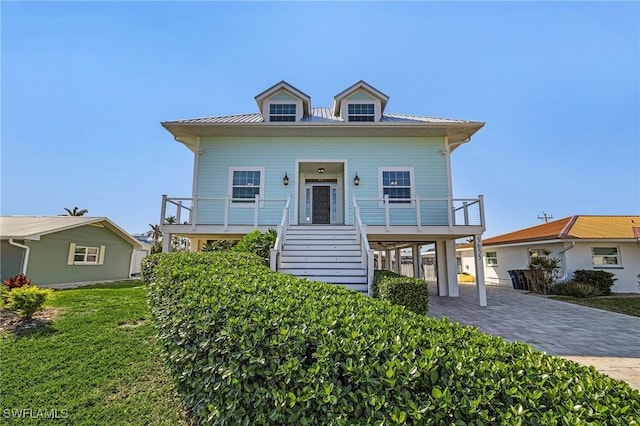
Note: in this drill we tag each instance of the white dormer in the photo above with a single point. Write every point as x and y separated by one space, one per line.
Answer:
283 103
360 103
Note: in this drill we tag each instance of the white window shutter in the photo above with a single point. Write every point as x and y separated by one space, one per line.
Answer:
101 255
72 253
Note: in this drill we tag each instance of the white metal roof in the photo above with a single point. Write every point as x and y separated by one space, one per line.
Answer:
33 227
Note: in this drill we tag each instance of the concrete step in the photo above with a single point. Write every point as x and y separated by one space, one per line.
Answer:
330 257
302 265
324 272
320 228
338 280
320 237
320 253
329 245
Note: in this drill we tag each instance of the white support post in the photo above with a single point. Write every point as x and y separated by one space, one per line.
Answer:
227 203
466 213
273 260
484 226
256 210
450 211
370 267
415 250
179 212
163 209
398 258
387 222
480 284
380 263
387 262
193 216
441 271
452 272
166 243
418 214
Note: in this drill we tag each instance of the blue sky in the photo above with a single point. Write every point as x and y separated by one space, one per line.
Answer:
85 86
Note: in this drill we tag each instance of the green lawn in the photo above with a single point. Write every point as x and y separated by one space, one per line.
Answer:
629 305
96 363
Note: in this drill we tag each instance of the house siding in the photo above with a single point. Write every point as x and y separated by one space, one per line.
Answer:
362 155
48 256
10 259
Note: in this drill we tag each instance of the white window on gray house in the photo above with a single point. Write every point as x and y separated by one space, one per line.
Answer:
605 256
360 112
396 184
492 258
282 112
245 185
85 255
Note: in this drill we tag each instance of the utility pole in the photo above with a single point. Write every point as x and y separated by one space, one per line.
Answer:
545 217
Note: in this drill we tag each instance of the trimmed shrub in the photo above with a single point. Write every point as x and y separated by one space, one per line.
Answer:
601 280
379 274
220 245
465 277
147 266
28 300
246 345
412 293
575 289
259 243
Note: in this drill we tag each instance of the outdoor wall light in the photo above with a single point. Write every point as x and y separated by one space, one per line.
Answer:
285 179
356 180
320 170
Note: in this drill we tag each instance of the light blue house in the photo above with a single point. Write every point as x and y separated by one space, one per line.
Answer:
341 184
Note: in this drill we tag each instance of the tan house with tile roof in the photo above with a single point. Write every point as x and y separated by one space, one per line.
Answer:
610 243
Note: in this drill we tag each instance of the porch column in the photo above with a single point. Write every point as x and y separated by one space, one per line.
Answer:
380 264
441 268
480 286
166 242
452 272
417 264
387 261
397 259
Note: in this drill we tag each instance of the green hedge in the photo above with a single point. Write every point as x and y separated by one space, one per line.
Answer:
412 293
250 346
378 275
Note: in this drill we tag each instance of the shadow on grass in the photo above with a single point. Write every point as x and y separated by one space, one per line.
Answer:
40 325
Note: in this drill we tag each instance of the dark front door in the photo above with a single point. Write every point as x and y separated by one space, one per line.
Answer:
321 205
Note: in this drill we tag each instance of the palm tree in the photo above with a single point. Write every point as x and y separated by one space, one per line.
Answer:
155 234
75 212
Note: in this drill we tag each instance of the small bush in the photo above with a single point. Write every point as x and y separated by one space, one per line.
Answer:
17 282
378 275
220 245
601 280
412 293
28 300
465 277
246 345
147 266
575 289
259 243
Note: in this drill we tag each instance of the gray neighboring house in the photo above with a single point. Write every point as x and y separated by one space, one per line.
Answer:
53 250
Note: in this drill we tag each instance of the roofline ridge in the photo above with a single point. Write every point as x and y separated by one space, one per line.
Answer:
565 231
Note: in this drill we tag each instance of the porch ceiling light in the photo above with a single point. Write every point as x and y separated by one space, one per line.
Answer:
285 179
320 170
356 180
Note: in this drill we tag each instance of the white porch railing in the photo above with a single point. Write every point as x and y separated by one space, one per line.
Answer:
282 233
421 212
367 253
221 211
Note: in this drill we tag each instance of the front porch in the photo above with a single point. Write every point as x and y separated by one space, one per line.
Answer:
382 226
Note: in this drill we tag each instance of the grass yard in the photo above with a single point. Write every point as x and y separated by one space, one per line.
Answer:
94 363
629 305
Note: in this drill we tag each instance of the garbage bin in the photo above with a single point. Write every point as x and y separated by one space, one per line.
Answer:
522 277
514 279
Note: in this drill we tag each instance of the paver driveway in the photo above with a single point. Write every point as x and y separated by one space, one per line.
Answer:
606 340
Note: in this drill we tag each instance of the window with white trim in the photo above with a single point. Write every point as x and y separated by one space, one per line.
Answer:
397 184
541 253
360 112
245 185
85 255
282 112
605 256
492 258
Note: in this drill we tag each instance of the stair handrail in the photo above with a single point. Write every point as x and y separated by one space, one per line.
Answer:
367 253
282 233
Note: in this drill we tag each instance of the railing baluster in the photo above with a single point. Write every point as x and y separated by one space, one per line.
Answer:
418 214
465 206
193 214
227 203
387 221
255 210
163 209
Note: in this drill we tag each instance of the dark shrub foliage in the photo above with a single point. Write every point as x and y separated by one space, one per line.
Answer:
220 245
601 280
259 243
246 345
17 282
575 289
412 293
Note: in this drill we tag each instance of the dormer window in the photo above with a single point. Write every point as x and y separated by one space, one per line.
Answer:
282 112
361 112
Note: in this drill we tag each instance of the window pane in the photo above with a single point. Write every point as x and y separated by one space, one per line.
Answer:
605 251
78 258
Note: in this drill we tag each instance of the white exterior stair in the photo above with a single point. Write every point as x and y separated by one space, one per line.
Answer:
324 253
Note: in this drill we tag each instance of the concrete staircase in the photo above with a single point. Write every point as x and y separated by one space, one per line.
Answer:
324 253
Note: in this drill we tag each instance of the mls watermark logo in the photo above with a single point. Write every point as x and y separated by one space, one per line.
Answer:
37 413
